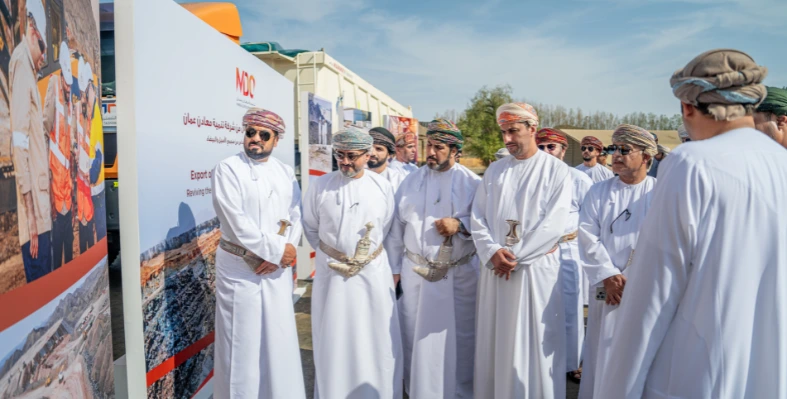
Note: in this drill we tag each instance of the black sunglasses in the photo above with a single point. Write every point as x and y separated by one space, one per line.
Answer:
551 146
587 148
623 150
351 157
264 136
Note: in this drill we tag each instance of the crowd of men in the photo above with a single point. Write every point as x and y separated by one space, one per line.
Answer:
681 268
56 146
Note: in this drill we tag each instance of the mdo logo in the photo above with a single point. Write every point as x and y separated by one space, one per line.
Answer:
244 83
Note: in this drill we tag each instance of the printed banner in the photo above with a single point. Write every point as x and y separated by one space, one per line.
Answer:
55 329
320 115
187 120
357 117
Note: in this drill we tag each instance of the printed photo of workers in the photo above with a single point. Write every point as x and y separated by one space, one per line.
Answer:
51 141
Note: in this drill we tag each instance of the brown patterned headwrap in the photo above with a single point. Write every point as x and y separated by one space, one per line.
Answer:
726 80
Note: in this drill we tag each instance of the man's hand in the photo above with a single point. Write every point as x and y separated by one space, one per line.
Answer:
447 227
614 286
34 245
396 279
266 268
289 255
504 263
32 224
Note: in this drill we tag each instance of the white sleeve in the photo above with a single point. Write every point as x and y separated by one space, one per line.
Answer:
311 214
479 228
227 204
389 221
658 278
595 258
545 234
295 214
394 242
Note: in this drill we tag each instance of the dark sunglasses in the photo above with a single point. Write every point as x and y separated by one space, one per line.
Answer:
587 148
264 136
551 146
350 157
623 150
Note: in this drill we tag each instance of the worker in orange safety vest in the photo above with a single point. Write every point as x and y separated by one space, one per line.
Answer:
60 122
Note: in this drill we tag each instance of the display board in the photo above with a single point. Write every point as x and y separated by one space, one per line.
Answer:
185 113
55 327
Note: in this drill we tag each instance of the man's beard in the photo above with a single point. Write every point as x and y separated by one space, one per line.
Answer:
587 159
438 167
374 165
257 155
351 172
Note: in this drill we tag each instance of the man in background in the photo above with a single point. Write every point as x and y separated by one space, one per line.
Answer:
382 149
771 115
405 153
591 148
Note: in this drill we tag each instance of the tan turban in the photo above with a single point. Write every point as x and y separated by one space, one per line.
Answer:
637 136
725 80
516 113
663 149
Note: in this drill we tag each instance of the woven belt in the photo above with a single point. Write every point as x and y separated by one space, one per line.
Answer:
249 257
353 266
568 237
421 261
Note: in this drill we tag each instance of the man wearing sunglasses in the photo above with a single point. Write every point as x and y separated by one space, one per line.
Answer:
554 142
591 148
355 323
30 149
381 151
608 228
704 315
520 211
258 203
433 207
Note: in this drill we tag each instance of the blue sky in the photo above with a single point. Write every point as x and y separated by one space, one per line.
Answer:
610 55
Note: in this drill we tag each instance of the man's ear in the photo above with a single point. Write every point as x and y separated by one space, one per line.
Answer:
688 109
782 123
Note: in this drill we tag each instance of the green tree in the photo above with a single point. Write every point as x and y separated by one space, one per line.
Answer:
479 123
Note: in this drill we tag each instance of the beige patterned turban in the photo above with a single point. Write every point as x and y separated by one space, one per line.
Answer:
636 136
725 80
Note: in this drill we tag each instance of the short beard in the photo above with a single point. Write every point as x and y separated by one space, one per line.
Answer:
587 159
379 163
257 156
439 167
352 172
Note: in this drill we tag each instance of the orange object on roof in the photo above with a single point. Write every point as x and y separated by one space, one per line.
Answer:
223 17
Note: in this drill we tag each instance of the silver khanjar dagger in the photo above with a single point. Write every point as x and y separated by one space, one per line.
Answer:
438 269
354 265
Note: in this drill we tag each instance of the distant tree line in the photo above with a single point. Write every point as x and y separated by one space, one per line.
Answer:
482 134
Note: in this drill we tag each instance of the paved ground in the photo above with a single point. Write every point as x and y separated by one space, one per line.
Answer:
302 318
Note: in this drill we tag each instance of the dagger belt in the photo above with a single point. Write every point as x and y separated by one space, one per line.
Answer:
421 261
348 266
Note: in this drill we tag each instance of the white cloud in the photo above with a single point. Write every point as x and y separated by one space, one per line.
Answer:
436 64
